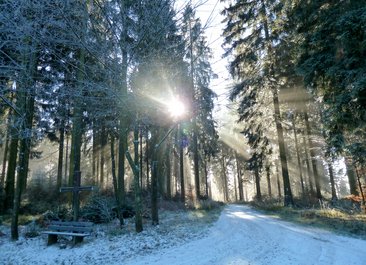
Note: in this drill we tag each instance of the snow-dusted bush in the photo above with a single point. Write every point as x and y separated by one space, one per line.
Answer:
207 204
32 230
99 209
59 213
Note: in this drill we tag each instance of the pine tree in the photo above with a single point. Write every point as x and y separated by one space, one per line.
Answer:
331 39
158 73
198 54
252 31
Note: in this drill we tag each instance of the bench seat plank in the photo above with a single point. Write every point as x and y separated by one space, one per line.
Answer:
82 224
65 233
78 230
69 228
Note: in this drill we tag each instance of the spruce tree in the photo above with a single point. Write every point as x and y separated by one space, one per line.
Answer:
198 55
251 33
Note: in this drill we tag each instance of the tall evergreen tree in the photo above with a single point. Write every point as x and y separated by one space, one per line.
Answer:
329 51
198 54
252 31
157 75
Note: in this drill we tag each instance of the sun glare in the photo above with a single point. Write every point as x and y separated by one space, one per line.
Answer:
176 108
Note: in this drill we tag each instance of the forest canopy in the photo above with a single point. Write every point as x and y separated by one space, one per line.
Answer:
86 86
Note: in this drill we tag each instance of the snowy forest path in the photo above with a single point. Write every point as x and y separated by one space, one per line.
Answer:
245 236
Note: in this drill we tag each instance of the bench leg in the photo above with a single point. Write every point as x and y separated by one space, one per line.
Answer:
78 239
52 239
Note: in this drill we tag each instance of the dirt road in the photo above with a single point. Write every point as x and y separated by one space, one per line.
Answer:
244 236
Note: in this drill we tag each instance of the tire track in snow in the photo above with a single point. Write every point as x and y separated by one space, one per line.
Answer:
245 236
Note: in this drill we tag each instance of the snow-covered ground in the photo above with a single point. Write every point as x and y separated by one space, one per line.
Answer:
108 244
240 236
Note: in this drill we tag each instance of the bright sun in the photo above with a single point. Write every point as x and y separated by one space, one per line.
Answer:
176 108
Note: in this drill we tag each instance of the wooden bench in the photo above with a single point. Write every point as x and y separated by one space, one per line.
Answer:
78 230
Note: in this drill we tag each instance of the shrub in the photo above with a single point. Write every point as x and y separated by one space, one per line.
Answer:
31 230
127 211
99 209
207 205
267 204
171 205
60 213
39 198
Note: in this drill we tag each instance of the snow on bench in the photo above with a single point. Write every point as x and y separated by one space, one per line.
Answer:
78 230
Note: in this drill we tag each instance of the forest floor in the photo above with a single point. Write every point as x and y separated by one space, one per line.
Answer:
241 235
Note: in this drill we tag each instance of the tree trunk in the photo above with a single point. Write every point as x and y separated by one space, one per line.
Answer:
101 166
308 169
26 101
235 189
103 143
77 124
66 157
147 161
161 170
257 184
5 160
206 179
176 170
154 192
278 182
115 186
75 154
240 180
12 163
168 171
122 147
6 151
123 126
141 160
313 157
332 182
7 185
154 185
225 186
288 199
268 171
23 162
25 146
196 162
114 179
3 170
363 199
95 150
181 165
194 121
154 176
137 190
76 137
298 156
60 156
351 176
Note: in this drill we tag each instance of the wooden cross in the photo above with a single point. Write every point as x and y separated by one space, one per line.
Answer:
75 193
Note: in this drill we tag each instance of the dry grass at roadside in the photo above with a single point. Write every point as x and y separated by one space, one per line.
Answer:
341 221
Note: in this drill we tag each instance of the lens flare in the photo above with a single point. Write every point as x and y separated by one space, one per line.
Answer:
176 108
